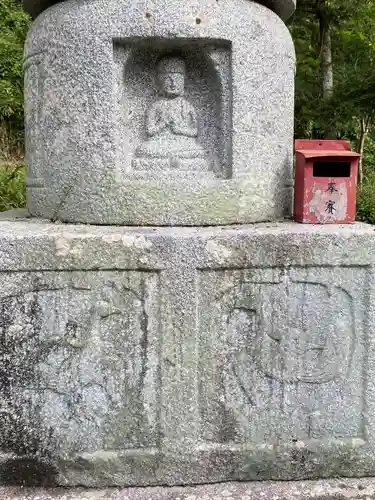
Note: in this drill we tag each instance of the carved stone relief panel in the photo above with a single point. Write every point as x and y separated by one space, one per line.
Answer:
282 354
174 107
83 362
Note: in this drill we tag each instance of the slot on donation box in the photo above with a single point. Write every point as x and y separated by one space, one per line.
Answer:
326 182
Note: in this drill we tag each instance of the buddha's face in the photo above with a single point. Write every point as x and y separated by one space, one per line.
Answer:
172 84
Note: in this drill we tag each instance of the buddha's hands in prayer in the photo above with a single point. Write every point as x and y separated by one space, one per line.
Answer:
184 120
158 119
176 115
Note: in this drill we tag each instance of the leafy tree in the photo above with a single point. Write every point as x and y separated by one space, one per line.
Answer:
336 54
14 23
319 28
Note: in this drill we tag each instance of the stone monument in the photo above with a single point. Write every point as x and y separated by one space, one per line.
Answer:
133 355
160 113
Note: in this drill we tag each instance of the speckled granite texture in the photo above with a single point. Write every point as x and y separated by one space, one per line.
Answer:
333 489
284 8
108 143
186 355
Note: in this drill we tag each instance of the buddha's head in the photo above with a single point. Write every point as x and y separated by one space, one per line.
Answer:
171 76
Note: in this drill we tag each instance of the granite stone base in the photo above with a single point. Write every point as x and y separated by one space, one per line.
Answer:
335 489
169 356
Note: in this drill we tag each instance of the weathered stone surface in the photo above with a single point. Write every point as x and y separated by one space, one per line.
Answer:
107 144
284 8
335 489
145 356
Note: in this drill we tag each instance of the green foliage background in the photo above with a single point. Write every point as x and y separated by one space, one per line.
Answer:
352 30
12 185
14 23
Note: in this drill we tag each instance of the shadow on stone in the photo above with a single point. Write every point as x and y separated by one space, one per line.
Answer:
27 472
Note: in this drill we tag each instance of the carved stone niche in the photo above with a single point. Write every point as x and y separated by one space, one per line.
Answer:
174 107
108 143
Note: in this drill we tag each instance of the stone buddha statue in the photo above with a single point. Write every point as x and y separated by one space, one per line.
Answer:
171 126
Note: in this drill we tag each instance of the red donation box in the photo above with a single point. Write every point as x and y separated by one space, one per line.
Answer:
326 182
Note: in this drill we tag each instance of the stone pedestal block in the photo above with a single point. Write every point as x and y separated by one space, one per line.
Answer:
160 113
144 356
333 489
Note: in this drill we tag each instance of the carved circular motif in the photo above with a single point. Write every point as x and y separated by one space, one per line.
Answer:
295 331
